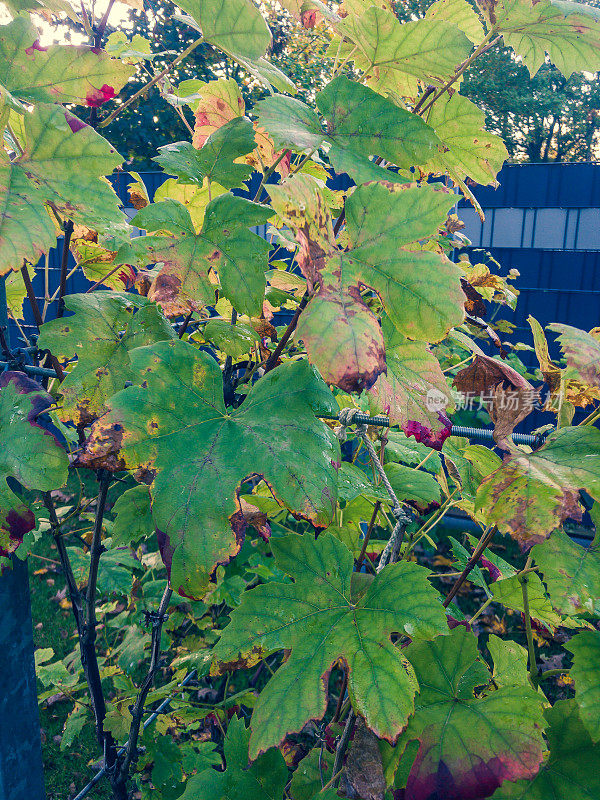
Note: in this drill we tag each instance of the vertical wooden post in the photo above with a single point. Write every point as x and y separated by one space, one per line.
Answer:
21 771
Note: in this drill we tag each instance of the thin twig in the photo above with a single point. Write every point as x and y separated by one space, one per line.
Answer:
104 278
186 322
274 357
343 745
471 563
35 309
111 117
137 713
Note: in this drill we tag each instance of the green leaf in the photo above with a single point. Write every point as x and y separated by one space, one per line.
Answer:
224 244
104 328
26 230
414 389
234 26
459 13
471 152
359 122
352 483
420 290
176 423
306 780
585 647
571 573
29 455
462 556
395 57
510 662
509 592
55 140
569 32
415 486
58 73
264 779
468 746
235 340
73 726
316 619
215 159
407 451
582 352
533 493
133 517
570 770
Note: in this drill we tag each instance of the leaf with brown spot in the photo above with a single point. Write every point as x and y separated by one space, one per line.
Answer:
175 422
224 245
318 619
104 328
509 396
531 494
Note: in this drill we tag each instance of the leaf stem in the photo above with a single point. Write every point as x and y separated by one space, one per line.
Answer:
111 117
481 610
533 668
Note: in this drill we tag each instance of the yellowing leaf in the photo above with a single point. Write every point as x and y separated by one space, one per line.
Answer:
58 73
533 493
316 618
220 102
395 56
176 424
459 13
471 152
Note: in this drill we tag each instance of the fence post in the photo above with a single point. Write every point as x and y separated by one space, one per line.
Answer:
21 771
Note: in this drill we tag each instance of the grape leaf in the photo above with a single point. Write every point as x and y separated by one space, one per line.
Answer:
224 244
235 340
26 230
395 57
569 32
471 152
571 573
352 483
413 392
459 13
133 517
414 486
59 73
585 647
215 159
220 102
360 122
509 592
176 424
264 779
531 494
234 26
55 140
570 770
316 618
30 455
104 328
420 291
468 746
582 352
510 662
